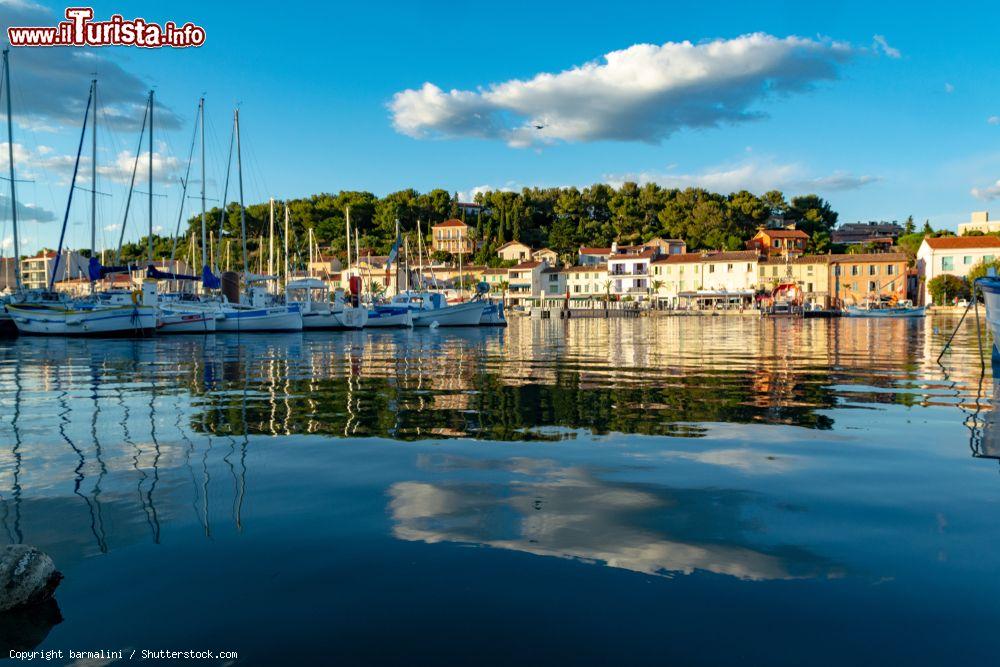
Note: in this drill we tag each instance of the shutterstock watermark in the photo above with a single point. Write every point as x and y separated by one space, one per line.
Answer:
79 29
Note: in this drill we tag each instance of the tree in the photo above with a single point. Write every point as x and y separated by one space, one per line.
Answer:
909 226
927 227
981 269
812 214
946 288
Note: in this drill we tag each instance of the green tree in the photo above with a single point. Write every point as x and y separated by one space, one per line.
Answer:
945 288
909 226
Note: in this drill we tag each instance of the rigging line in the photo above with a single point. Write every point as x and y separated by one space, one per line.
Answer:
184 186
69 202
225 191
131 187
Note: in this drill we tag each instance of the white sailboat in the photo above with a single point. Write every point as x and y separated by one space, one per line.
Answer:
430 308
313 298
58 316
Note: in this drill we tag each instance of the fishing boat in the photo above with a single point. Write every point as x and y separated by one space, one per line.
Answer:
389 316
427 308
313 298
493 315
880 309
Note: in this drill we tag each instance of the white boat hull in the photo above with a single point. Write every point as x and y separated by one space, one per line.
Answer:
249 320
493 316
990 290
389 319
189 322
458 315
349 318
884 312
131 320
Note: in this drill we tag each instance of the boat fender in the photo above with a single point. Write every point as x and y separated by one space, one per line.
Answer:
135 298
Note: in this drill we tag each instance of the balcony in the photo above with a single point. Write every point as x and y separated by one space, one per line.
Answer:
637 270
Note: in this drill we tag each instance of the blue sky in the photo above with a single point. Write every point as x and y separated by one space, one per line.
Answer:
888 131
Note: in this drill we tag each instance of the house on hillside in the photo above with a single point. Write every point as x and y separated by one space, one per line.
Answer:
546 255
452 236
514 251
770 242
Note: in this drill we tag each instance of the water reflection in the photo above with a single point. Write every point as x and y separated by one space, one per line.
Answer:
546 509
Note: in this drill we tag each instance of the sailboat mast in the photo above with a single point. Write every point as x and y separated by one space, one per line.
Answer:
93 176
270 242
347 220
72 186
243 215
287 241
10 157
204 243
150 243
420 255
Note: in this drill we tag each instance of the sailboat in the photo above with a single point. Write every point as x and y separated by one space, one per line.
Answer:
7 326
251 311
53 314
312 295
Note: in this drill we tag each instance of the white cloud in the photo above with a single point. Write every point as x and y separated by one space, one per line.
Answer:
112 227
988 193
470 194
993 120
43 159
643 93
756 175
949 88
882 46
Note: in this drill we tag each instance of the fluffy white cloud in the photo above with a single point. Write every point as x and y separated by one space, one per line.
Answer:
882 46
642 93
758 176
45 162
988 193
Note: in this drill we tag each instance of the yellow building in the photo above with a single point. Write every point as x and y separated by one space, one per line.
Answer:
810 273
452 236
857 278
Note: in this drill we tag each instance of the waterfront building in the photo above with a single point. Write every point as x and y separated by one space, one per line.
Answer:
980 222
514 251
496 278
857 278
952 255
452 236
589 256
674 276
525 281
36 272
629 273
770 242
809 273
588 283
553 287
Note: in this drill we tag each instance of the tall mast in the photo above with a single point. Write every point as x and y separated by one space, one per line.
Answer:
204 244
72 186
243 215
347 220
311 256
287 241
150 252
270 242
93 176
10 157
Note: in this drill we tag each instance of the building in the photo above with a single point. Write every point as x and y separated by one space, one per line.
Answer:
524 281
452 236
781 242
854 279
667 246
952 255
496 279
36 272
587 283
980 222
629 273
809 273
324 265
514 251
674 276
588 256
553 292
855 233
546 255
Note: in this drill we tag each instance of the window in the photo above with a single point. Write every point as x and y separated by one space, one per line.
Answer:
947 263
777 243
836 270
809 270
809 287
774 271
749 267
890 269
576 289
729 268
871 285
967 260
711 268
855 270
987 258
763 270
872 269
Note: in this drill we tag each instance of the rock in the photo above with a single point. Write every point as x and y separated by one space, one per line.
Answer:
27 577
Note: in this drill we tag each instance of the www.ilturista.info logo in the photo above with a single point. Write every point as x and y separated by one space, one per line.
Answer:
81 30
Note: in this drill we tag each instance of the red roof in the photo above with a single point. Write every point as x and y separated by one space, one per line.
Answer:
594 251
784 233
454 222
962 242
645 254
528 265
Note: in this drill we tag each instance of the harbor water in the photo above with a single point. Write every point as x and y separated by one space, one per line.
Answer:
690 491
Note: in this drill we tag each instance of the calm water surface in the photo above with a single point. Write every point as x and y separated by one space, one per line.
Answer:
695 491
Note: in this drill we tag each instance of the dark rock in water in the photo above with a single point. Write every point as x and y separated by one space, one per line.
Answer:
25 628
27 577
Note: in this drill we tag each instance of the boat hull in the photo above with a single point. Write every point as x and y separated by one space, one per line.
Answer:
7 327
459 315
349 318
493 316
390 318
885 313
133 320
185 323
251 320
990 289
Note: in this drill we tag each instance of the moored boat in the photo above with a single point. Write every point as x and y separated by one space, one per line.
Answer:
877 310
428 308
391 317
989 287
312 297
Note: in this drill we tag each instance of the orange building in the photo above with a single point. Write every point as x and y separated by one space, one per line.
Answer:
768 242
452 236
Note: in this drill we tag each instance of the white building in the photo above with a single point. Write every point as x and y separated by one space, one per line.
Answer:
514 251
980 222
36 272
630 275
587 283
954 255
525 281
